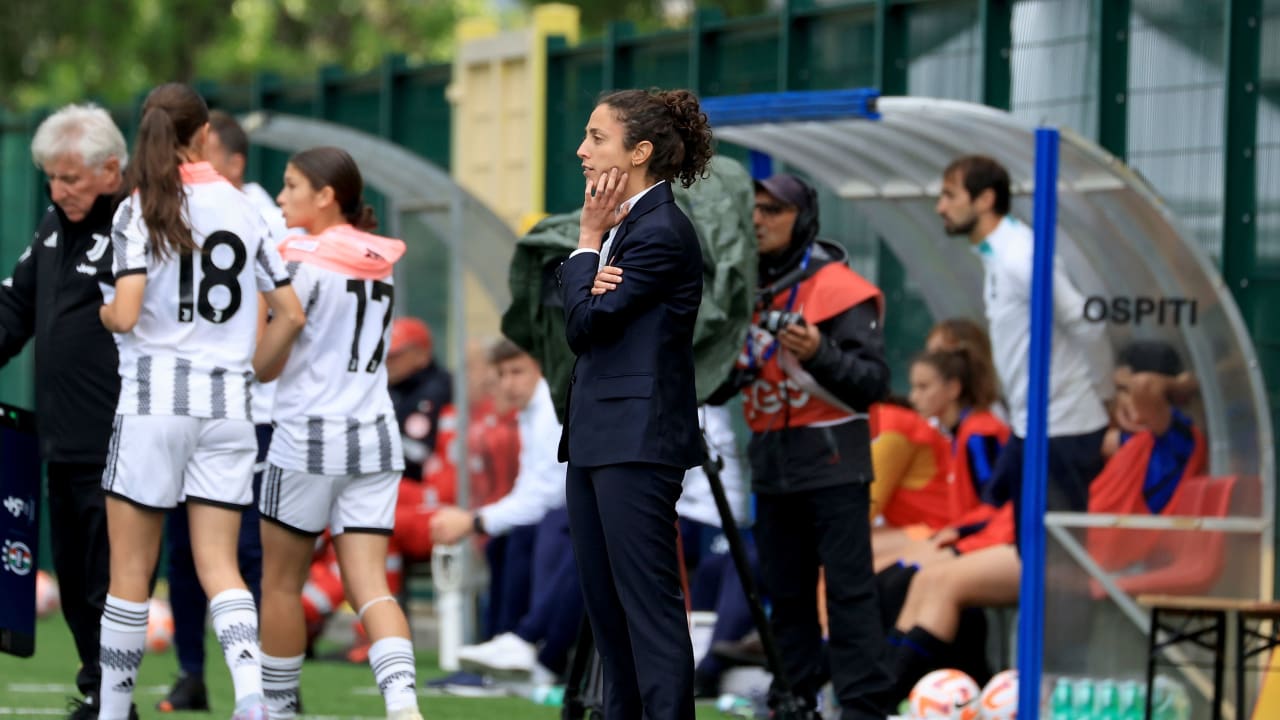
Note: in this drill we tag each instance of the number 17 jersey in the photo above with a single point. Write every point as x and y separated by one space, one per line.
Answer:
333 413
191 351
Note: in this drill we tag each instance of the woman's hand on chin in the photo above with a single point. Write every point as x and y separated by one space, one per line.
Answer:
602 208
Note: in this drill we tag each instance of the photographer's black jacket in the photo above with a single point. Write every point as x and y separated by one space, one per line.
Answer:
850 365
54 295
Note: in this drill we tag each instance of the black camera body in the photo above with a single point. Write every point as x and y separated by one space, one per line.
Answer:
775 320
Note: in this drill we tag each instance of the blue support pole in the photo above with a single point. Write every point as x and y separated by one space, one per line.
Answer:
1035 461
761 165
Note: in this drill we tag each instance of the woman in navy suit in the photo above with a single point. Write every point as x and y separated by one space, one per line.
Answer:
632 425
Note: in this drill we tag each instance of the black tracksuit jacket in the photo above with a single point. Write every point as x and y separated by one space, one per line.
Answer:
54 296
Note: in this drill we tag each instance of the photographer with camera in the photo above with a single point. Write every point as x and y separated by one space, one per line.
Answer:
813 363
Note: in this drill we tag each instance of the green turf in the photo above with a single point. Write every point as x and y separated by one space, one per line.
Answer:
35 687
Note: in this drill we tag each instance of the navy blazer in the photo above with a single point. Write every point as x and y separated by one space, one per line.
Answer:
631 394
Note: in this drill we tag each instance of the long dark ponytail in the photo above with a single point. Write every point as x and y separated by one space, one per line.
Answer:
171 116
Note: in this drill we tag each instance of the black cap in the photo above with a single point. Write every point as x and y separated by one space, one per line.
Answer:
788 188
1151 356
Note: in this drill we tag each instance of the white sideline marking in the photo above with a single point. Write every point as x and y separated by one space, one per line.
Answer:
425 692
50 688
58 712
72 690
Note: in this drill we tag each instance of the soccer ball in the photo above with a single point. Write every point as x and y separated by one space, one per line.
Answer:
944 695
48 599
999 699
159 626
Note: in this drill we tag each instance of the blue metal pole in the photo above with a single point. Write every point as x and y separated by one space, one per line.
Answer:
1035 459
761 165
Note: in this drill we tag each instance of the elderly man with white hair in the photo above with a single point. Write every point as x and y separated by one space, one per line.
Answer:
53 296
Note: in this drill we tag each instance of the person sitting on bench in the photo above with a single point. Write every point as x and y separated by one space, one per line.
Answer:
1154 448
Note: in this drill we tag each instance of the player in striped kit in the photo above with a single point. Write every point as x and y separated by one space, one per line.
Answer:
190 256
335 458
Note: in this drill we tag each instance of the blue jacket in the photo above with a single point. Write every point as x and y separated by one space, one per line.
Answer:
631 395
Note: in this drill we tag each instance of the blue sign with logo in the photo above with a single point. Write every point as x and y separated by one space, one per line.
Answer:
19 530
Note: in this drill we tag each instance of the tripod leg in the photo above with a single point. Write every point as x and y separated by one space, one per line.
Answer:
573 707
787 704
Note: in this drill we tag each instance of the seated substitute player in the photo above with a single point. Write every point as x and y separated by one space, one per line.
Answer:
188 247
335 457
966 438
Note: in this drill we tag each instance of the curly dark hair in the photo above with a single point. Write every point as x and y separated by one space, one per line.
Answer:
674 122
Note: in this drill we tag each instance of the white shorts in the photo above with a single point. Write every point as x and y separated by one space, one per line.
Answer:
158 461
307 503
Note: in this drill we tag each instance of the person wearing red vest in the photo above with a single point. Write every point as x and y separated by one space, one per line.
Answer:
912 460
812 366
965 439
1154 449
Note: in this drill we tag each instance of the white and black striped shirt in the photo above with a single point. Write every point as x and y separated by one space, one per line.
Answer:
264 394
333 413
191 351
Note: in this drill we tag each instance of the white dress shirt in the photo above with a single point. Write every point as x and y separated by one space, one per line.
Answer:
540 481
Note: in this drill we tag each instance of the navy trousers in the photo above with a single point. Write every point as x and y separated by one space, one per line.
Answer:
510 559
623 523
698 540
555 606
716 586
186 597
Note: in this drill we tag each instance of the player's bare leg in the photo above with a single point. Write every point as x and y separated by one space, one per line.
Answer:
363 558
286 557
134 535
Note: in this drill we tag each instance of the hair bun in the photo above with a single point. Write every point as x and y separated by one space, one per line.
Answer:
694 129
363 218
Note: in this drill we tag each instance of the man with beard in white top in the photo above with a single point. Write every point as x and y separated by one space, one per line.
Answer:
227 150
974 203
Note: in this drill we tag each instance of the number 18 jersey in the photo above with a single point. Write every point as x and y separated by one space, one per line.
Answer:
191 352
333 413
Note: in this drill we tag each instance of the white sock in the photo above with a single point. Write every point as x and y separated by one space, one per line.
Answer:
122 643
280 679
235 622
392 662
